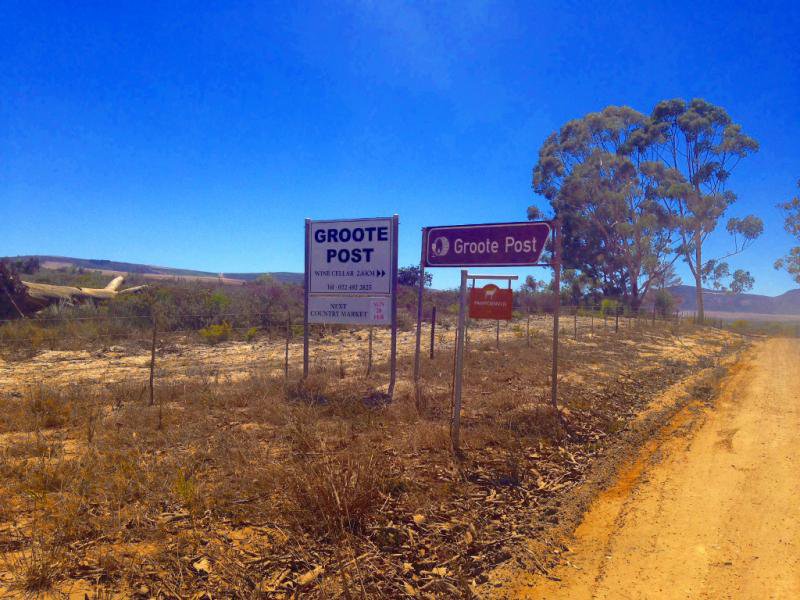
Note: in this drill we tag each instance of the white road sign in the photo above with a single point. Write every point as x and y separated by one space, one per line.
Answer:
351 257
350 310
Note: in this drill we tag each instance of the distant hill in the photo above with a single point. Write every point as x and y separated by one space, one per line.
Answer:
787 303
153 272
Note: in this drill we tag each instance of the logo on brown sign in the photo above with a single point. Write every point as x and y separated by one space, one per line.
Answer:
491 302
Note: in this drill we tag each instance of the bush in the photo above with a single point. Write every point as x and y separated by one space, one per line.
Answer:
664 303
610 307
311 389
337 494
214 334
48 408
406 321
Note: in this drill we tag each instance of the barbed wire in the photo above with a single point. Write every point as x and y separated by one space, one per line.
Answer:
275 328
147 318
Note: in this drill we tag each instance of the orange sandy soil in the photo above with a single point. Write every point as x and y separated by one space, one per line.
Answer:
707 508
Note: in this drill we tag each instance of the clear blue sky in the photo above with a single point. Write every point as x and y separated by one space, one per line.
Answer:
200 136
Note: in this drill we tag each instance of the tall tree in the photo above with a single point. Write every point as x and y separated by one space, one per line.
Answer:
410 276
791 262
700 140
599 176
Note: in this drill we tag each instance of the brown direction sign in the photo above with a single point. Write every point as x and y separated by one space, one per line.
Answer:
491 302
489 245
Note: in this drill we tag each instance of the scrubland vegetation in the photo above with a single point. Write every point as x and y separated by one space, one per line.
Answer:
242 481
261 486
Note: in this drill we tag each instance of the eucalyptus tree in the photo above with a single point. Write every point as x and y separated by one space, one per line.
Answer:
700 140
609 191
791 262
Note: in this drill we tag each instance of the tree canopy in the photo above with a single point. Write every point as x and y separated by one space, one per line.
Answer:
700 140
791 262
636 192
410 276
609 197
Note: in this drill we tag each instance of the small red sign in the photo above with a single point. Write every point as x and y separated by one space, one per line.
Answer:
490 302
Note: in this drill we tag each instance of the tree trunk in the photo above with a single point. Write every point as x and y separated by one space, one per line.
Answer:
636 300
698 280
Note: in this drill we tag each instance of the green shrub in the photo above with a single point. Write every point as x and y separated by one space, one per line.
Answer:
185 489
609 307
664 303
251 334
740 326
214 334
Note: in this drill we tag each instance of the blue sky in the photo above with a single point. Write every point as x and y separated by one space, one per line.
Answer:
201 135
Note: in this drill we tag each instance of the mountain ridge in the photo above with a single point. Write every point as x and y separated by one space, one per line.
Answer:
787 303
155 272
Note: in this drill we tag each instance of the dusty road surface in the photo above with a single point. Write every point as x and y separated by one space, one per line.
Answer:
710 510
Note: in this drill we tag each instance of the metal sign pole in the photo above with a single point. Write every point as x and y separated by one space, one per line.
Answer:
393 360
305 301
433 329
420 291
456 425
557 290
466 326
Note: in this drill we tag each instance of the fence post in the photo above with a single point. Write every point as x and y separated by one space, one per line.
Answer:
369 354
153 366
286 349
575 322
433 328
497 335
528 331
616 322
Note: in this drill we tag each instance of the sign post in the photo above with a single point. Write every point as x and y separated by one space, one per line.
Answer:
556 310
305 302
492 244
393 348
420 294
455 433
351 277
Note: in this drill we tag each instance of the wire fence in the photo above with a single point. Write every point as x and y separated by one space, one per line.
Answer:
109 349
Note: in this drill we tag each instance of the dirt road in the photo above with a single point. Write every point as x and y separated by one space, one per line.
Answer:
710 510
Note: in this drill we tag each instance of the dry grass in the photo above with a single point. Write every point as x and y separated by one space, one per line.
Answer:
255 488
336 494
37 568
